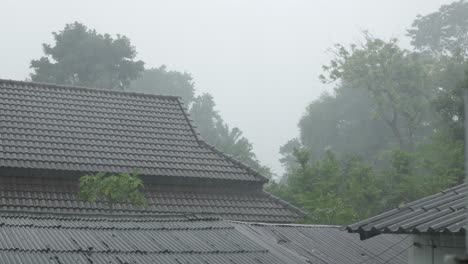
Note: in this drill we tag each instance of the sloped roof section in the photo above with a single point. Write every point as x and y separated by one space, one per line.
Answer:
45 126
99 239
444 212
328 244
43 195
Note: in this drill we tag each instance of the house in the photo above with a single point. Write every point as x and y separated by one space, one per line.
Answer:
435 225
51 135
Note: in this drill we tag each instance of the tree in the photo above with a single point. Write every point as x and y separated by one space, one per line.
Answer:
161 81
113 189
333 191
444 35
287 152
344 122
444 32
397 80
205 117
83 57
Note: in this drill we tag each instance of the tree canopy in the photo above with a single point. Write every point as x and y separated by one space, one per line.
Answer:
390 132
165 82
444 32
83 57
397 81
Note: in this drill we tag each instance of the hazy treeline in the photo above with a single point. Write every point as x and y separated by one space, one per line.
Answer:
83 57
391 131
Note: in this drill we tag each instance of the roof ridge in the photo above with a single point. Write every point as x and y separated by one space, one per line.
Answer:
195 133
82 88
30 213
284 225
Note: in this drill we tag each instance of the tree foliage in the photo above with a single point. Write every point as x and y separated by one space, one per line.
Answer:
165 82
117 188
83 57
332 191
391 131
345 123
444 32
398 83
444 35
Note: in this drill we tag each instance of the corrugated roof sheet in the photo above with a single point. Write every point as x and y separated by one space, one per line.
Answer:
37 239
48 195
329 244
444 212
182 239
44 126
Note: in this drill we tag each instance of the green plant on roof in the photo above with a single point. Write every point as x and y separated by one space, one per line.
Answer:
117 188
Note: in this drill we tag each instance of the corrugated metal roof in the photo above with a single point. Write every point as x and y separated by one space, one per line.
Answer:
45 126
49 195
68 238
329 244
46 238
444 212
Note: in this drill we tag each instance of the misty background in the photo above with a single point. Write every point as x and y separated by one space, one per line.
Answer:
259 59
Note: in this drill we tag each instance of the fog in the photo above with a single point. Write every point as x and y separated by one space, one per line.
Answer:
259 59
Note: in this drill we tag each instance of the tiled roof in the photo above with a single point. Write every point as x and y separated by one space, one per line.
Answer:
50 195
328 244
37 239
44 126
444 212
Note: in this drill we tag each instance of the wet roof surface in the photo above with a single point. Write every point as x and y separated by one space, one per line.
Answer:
45 126
180 239
444 212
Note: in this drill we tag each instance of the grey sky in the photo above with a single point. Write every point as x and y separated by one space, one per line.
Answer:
259 58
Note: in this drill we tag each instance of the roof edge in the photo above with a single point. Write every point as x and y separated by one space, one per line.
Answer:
287 204
184 110
95 89
202 142
262 178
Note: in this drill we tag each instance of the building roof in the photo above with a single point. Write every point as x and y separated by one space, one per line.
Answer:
53 195
140 239
51 134
55 127
30 238
329 244
444 212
